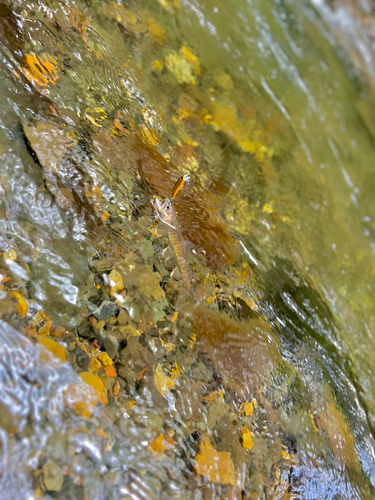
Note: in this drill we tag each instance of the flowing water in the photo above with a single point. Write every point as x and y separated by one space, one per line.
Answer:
115 382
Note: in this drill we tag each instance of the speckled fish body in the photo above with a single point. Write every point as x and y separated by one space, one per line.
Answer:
167 216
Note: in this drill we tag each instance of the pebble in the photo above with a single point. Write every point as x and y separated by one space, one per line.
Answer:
106 310
52 476
111 347
83 359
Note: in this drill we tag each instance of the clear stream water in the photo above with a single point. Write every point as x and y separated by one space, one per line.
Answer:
268 106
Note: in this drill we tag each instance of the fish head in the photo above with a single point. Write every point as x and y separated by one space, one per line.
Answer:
164 211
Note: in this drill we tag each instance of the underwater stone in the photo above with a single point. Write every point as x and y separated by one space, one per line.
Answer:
105 310
52 476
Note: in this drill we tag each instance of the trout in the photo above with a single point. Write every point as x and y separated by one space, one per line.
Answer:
167 216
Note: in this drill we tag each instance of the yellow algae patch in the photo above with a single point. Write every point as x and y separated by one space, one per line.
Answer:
162 382
22 305
168 5
268 208
157 65
216 466
149 136
95 116
42 70
224 80
247 439
97 383
191 58
94 365
154 29
225 118
105 359
105 216
56 349
248 408
180 68
10 255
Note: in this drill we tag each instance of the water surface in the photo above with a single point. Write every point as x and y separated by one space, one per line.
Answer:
261 383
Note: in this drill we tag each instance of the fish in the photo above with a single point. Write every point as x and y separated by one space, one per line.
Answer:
167 216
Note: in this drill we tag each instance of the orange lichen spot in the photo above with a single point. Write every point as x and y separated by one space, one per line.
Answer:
131 404
286 456
110 371
216 395
210 299
56 349
173 318
216 466
116 388
247 439
142 372
94 365
248 408
158 446
96 383
53 110
105 216
42 70
175 370
23 305
119 127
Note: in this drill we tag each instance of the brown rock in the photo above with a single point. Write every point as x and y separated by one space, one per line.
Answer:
244 354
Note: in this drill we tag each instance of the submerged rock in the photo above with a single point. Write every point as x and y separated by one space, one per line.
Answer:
105 310
52 476
244 354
